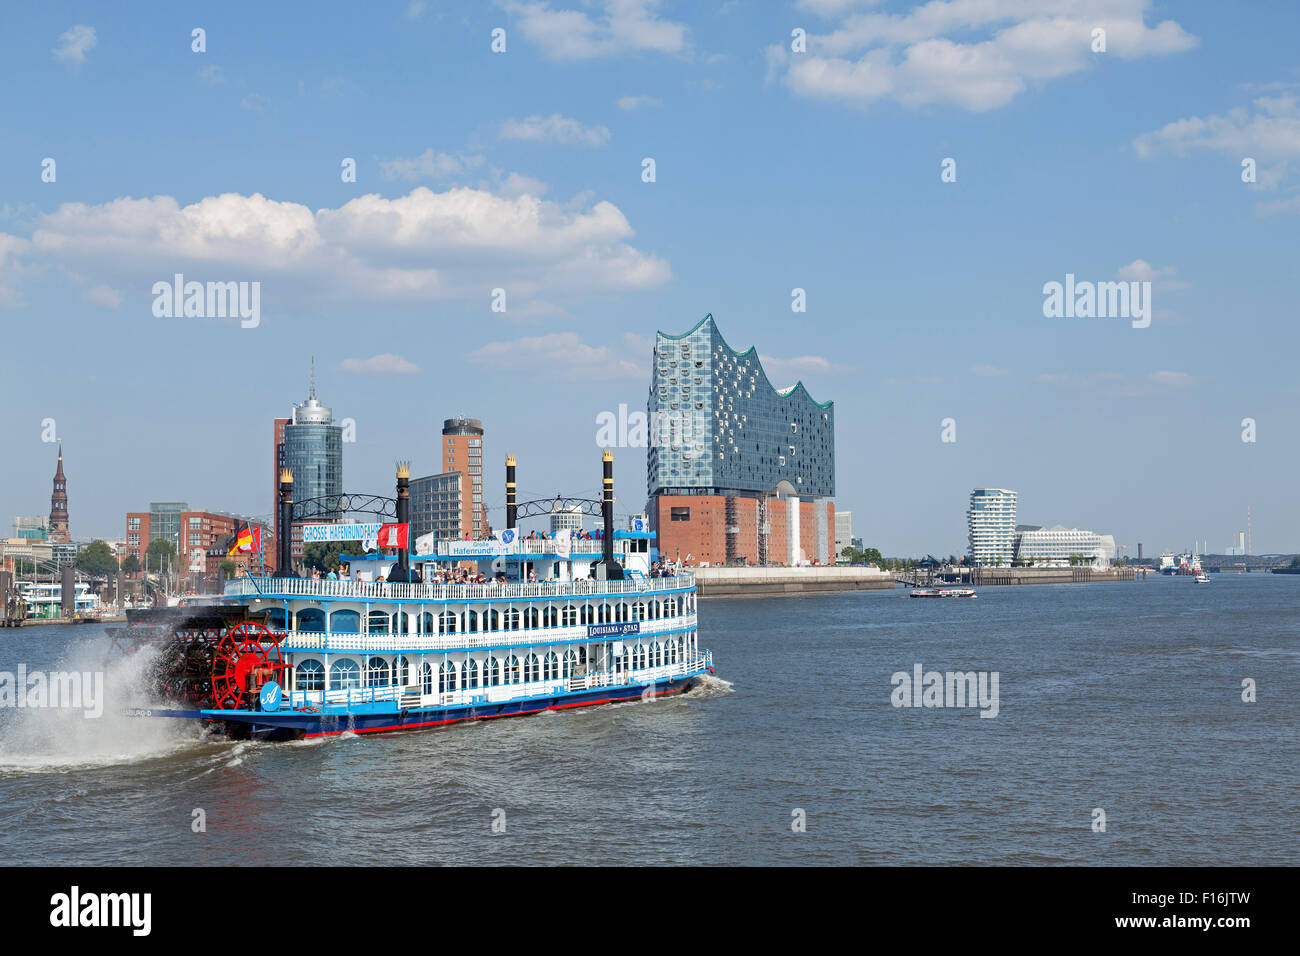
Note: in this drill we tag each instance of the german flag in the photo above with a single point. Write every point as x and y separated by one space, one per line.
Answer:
243 541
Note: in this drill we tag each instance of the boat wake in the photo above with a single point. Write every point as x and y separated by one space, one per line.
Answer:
56 739
708 686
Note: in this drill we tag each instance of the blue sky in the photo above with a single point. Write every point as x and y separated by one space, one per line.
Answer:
775 170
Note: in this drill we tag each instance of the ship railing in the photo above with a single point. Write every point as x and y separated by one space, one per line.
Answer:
462 640
399 590
497 693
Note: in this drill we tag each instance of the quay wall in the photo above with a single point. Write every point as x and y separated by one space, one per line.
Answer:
768 582
987 577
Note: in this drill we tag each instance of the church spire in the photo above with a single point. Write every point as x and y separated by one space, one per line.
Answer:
58 530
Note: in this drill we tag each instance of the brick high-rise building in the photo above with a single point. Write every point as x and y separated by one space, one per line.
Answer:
738 471
58 533
462 451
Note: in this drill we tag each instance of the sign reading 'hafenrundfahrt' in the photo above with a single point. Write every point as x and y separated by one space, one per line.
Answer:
339 532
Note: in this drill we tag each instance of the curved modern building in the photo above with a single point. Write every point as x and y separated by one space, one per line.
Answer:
738 470
313 449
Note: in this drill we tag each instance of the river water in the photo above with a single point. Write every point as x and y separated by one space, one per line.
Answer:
1121 698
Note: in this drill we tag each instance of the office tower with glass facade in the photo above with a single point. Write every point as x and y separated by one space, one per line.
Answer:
313 450
437 506
738 471
991 526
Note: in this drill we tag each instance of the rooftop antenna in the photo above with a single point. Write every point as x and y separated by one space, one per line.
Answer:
313 378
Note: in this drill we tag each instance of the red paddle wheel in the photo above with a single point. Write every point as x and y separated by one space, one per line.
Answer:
247 656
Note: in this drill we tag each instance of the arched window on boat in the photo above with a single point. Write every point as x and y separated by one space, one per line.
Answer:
531 668
588 614
638 611
446 677
447 623
345 622
621 611
511 619
550 667
672 651
491 672
670 607
378 673
549 618
513 675
311 619
569 616
426 678
582 656
404 620
659 654
570 660
470 620
309 675
378 622
606 614
275 619
471 673
530 618
656 609
492 620
405 671
427 623
345 673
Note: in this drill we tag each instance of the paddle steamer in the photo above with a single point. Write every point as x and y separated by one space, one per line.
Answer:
471 630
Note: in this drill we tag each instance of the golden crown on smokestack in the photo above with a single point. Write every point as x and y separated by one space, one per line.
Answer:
286 476
403 469
510 461
609 455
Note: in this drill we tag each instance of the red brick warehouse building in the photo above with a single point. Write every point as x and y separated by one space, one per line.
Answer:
738 471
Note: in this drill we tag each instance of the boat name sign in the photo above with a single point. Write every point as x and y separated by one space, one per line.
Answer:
614 630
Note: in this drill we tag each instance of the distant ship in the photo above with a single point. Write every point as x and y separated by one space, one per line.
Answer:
943 592
1185 563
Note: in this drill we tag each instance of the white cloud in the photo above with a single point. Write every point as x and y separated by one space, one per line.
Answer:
256 103
105 295
386 364
624 26
975 54
1139 270
421 247
639 102
564 355
517 184
553 129
429 165
415 9
75 44
786 371
1268 133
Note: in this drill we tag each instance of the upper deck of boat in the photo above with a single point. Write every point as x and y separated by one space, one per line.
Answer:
403 592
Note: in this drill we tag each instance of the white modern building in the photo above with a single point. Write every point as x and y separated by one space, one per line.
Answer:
1055 546
562 518
991 525
843 532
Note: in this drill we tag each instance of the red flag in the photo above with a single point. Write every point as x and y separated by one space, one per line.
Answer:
394 535
257 539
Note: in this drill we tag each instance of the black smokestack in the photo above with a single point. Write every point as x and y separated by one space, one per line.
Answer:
404 516
612 570
284 563
511 510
